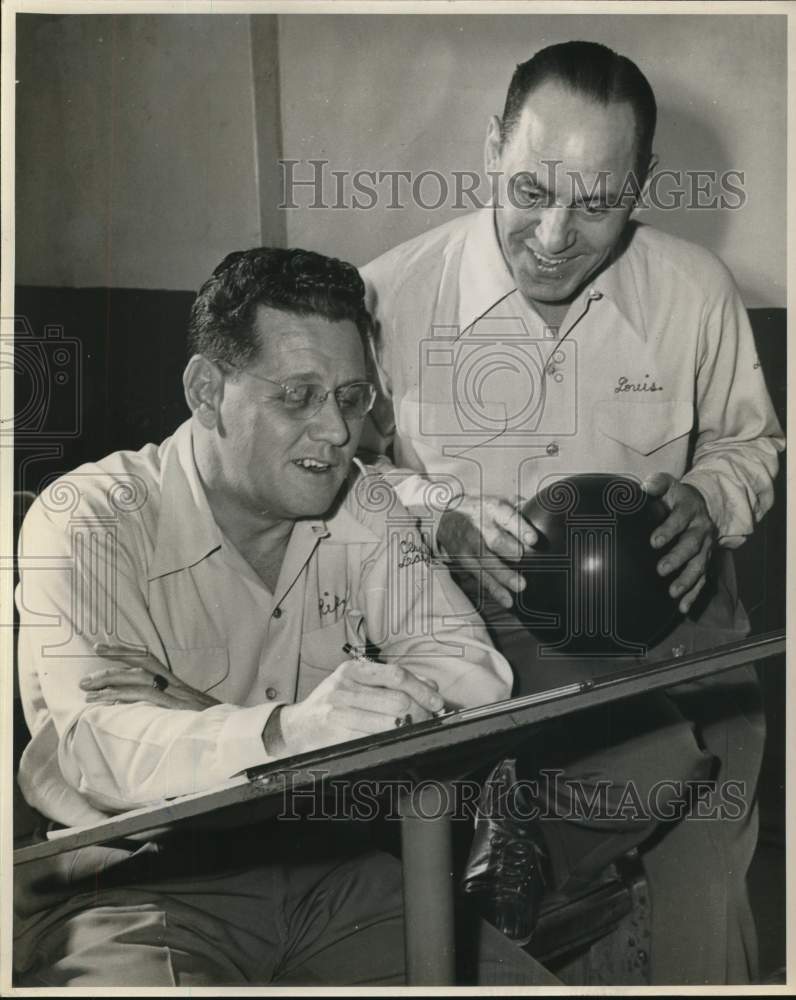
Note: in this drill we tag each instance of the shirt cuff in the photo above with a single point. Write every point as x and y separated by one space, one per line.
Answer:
240 742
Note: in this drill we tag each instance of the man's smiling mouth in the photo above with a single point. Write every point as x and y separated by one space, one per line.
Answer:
551 265
312 465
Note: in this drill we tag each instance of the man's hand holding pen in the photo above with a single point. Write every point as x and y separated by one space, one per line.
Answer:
359 698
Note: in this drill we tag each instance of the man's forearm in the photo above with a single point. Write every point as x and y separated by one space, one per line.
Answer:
737 483
125 756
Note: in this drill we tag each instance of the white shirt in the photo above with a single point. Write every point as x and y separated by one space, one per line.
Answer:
126 551
654 369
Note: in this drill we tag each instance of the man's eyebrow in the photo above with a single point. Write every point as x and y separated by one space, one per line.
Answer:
595 196
317 378
304 376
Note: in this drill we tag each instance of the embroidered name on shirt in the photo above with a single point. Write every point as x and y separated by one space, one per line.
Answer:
412 553
331 603
625 385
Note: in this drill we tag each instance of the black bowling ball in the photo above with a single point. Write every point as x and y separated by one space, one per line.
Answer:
592 588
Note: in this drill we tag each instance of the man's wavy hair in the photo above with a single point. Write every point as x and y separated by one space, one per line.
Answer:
221 325
596 72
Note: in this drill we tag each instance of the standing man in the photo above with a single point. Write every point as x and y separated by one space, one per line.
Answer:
548 335
184 610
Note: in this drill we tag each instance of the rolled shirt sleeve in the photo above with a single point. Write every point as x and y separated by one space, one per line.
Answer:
421 620
116 757
738 436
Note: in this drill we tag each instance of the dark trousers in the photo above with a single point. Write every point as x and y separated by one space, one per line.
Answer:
287 904
696 848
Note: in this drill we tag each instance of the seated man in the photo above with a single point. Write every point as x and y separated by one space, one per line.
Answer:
189 620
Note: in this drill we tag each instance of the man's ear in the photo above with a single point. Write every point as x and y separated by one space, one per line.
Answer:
493 144
203 382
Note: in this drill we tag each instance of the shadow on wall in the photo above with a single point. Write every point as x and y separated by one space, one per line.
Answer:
708 153
422 88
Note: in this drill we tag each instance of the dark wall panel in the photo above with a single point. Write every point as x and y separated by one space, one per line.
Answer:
96 370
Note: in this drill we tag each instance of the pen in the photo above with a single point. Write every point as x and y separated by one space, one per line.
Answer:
402 720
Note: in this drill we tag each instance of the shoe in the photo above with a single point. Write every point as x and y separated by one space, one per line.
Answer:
505 872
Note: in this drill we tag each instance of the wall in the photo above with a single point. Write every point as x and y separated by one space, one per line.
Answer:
135 149
415 92
146 145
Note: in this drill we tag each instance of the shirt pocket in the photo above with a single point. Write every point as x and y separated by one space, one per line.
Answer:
321 654
322 648
644 427
203 668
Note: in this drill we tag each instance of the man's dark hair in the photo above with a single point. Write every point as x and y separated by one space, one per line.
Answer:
221 325
594 71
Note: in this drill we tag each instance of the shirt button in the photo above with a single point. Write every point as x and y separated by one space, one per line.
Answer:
270 693
552 448
277 613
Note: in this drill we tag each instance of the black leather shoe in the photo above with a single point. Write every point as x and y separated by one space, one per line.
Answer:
505 870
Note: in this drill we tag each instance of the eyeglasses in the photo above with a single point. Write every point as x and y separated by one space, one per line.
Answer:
303 400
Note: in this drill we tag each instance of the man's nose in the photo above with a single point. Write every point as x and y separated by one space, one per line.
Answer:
328 423
555 231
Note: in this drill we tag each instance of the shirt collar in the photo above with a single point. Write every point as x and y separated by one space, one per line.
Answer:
618 283
344 529
361 496
187 531
340 528
485 279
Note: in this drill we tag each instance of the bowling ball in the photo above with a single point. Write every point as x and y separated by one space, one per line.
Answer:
592 587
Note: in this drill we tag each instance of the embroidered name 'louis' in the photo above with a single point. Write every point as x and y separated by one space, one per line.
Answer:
625 385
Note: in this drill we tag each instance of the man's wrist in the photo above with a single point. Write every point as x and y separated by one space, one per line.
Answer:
273 740
706 487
